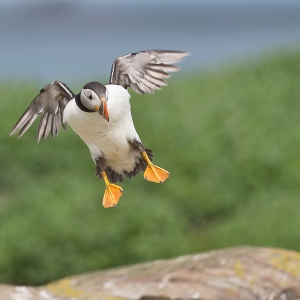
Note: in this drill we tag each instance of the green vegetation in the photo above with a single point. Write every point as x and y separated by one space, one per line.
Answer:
231 141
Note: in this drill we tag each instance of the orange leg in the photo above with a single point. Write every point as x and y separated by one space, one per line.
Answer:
112 193
154 173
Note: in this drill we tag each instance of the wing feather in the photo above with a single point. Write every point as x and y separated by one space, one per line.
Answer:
50 104
48 125
28 124
145 71
55 125
158 82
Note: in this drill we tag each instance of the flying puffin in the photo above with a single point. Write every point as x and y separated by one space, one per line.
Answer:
101 116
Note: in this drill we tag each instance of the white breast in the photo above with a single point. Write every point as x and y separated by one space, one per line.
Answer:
107 138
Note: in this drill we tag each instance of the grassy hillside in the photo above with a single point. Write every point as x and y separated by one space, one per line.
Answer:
231 141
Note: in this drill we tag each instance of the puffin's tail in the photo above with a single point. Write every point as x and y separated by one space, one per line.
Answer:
139 167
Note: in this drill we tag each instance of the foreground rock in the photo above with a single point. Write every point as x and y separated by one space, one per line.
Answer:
236 273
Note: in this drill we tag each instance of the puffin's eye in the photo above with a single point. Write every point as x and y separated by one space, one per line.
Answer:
90 97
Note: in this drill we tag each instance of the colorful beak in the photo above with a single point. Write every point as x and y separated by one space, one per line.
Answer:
103 108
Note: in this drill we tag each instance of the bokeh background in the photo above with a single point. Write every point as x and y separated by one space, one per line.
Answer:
227 128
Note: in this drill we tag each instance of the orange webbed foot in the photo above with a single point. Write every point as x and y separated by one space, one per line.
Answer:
112 193
154 173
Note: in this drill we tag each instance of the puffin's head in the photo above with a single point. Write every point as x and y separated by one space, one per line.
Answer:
93 97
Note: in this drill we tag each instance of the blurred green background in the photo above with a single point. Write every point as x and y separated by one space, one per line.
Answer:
230 139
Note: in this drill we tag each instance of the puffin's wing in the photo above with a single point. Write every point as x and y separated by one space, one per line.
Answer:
50 104
145 71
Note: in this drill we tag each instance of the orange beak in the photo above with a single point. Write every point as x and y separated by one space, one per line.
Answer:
103 108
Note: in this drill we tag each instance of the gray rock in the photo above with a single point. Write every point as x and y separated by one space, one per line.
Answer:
237 273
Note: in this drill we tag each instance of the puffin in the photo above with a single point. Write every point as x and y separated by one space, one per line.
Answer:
101 116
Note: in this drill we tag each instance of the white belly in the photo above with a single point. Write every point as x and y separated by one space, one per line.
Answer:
107 139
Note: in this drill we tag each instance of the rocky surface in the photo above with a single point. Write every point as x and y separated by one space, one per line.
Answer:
235 273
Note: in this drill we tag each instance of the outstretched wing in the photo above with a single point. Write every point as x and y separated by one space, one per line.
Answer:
145 71
50 104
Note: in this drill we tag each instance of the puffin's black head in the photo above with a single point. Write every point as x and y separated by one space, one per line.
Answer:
93 98
97 87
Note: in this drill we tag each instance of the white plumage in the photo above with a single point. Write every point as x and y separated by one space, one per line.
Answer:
108 138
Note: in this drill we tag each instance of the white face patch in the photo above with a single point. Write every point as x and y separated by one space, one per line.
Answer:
89 99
